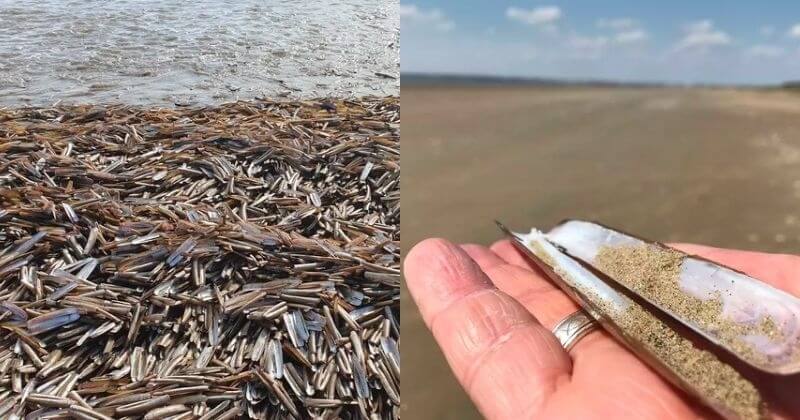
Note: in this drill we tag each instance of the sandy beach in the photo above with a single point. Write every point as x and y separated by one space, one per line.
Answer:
712 166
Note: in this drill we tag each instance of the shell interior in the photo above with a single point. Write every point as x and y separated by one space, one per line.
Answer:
751 319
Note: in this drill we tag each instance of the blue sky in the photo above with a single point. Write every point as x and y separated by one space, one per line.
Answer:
675 41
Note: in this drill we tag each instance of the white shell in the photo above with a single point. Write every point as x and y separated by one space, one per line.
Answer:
745 300
575 275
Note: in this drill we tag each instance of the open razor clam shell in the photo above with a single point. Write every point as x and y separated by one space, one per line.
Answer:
745 304
571 277
608 306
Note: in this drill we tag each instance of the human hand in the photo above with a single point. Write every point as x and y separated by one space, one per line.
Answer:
491 313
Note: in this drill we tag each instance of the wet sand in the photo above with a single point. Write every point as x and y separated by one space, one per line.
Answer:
712 166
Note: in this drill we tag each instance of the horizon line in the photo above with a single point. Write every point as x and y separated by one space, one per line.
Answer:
453 78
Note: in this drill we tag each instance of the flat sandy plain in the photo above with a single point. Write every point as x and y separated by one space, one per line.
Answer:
713 166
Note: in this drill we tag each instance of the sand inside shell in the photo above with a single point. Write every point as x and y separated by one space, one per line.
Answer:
712 378
717 382
654 273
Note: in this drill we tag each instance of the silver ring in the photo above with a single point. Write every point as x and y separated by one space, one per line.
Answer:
573 328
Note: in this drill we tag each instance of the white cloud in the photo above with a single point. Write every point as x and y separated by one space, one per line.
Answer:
445 26
764 51
630 37
408 10
614 32
794 31
434 17
625 30
586 47
704 25
702 35
540 16
588 42
618 24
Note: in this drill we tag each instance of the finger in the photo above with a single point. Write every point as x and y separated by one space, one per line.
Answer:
491 342
593 356
540 297
508 252
526 283
779 270
485 258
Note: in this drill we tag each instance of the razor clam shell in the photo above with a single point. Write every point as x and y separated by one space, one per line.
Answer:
63 290
314 321
87 269
391 351
211 254
53 320
601 301
359 377
16 312
745 300
274 359
576 279
177 256
29 243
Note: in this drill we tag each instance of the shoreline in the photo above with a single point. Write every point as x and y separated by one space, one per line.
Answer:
181 106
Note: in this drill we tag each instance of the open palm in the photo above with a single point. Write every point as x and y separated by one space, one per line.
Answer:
491 313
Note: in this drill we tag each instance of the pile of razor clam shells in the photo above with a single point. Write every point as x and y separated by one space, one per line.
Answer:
239 261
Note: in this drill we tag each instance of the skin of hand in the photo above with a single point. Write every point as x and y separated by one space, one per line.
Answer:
492 312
